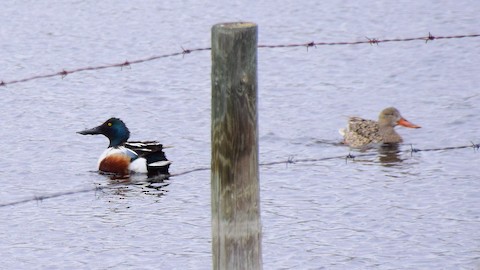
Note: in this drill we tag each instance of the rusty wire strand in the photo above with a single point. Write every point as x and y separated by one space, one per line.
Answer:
126 63
290 160
370 41
51 196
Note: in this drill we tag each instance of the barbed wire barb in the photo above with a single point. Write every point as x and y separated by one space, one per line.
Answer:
311 44
185 51
372 41
63 73
429 37
475 146
126 64
413 150
290 160
349 156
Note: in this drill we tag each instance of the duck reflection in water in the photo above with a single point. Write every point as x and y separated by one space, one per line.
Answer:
155 186
388 154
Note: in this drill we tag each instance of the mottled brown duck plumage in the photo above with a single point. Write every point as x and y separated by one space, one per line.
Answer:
361 132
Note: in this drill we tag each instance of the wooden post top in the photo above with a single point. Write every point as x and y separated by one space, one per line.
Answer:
235 25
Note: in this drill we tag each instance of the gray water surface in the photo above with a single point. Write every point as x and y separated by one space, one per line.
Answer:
397 211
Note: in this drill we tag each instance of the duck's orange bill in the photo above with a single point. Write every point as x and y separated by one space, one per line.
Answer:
405 123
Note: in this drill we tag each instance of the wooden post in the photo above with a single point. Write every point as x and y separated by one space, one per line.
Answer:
236 226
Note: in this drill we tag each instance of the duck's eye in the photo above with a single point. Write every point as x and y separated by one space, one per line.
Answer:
109 124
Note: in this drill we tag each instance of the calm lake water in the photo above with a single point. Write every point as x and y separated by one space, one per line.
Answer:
407 210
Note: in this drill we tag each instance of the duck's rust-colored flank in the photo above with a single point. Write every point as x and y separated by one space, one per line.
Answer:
117 164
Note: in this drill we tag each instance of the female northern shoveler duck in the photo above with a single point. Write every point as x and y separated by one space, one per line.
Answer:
122 157
361 132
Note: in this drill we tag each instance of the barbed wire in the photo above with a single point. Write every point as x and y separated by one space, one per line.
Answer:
127 63
51 196
289 160
350 156
371 41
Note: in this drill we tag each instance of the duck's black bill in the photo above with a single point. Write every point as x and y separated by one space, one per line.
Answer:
92 131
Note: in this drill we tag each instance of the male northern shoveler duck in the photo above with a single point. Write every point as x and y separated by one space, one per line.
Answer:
122 157
362 132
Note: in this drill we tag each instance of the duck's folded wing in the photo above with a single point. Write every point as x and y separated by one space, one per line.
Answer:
364 128
144 147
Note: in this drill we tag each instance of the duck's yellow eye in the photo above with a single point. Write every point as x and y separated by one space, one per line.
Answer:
109 124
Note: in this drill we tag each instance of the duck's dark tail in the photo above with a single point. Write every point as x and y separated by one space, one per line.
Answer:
157 164
152 151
